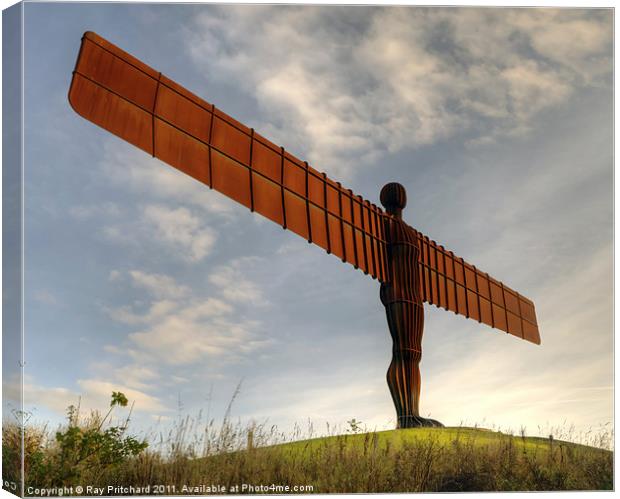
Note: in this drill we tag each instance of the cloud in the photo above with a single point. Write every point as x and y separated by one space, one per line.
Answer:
233 284
85 212
46 297
192 335
340 92
158 285
179 228
96 393
182 234
184 328
170 206
91 394
54 398
126 314
134 376
579 41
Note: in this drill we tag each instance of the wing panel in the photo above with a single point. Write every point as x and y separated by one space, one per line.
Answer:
183 113
112 113
182 151
497 295
485 311
318 227
483 285
335 236
316 190
512 301
530 332
105 68
461 299
527 309
349 244
296 219
230 140
267 198
451 294
267 162
472 305
499 317
459 274
294 178
230 178
514 324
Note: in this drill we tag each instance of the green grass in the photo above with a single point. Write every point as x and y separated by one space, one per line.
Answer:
425 459
207 456
478 437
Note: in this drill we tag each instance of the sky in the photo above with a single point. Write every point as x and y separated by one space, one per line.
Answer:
139 279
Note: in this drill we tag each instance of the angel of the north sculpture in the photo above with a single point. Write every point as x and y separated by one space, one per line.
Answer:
123 95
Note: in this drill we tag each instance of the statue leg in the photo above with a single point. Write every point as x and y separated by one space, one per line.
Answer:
406 323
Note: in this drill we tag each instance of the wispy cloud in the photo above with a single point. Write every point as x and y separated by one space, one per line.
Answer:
158 285
91 393
180 229
85 212
183 329
195 333
233 284
96 393
46 297
131 375
176 230
127 315
433 74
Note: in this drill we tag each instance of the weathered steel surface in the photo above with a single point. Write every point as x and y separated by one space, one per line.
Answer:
123 95
404 309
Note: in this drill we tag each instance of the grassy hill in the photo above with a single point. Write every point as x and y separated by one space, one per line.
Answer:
427 459
231 459
413 460
479 437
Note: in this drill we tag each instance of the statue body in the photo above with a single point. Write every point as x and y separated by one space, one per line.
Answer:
404 308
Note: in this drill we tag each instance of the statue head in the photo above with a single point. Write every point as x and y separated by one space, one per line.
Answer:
393 198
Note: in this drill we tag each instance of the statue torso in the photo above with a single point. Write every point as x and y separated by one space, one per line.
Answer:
402 253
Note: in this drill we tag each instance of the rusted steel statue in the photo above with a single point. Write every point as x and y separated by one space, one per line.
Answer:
404 308
140 105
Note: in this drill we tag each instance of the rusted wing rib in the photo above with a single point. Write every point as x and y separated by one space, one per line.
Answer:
121 94
449 282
